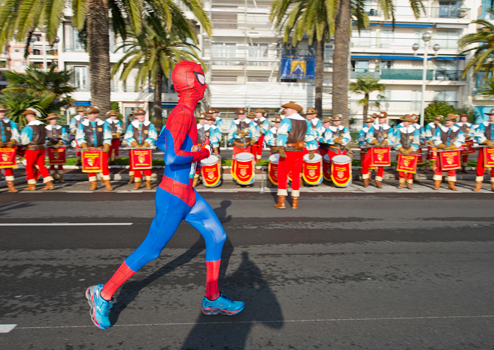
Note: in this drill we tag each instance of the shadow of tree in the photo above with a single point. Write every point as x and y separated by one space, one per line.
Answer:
261 306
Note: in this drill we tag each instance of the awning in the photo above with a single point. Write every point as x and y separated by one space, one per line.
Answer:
169 104
451 26
450 58
409 25
82 103
407 58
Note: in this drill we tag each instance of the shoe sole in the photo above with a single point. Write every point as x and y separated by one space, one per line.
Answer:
209 312
90 301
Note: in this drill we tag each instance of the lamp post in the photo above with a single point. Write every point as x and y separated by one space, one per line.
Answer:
426 37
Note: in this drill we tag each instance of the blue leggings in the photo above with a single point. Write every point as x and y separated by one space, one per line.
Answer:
170 211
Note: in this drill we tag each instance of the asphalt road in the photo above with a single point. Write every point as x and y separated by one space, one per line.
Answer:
345 271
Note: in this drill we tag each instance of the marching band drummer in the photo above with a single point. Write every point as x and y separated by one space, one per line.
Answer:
317 128
484 135
33 137
337 136
218 121
141 133
430 130
323 146
380 135
448 137
73 125
57 137
362 137
9 137
466 127
294 137
214 134
406 141
263 126
207 130
242 133
271 134
116 132
95 133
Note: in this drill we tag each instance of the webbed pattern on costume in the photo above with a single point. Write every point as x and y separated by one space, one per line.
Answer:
180 132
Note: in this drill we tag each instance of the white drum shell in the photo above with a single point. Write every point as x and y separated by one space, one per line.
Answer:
244 157
341 159
274 158
317 158
211 160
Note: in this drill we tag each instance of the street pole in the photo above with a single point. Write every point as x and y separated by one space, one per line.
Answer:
43 35
424 77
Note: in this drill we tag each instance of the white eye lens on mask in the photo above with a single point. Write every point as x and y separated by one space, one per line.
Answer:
200 77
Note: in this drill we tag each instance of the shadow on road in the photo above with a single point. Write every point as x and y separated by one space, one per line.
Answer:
261 306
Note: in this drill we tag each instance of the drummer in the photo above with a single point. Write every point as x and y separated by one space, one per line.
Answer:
337 136
379 135
242 133
323 146
362 136
406 141
263 126
430 130
466 127
270 137
218 121
213 133
317 128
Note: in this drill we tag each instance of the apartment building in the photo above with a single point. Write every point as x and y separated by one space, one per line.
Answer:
244 58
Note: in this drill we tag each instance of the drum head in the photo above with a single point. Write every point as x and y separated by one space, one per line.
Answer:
341 159
244 157
274 158
317 158
212 160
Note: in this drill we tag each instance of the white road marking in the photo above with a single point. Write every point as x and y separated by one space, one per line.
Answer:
70 224
363 319
5 328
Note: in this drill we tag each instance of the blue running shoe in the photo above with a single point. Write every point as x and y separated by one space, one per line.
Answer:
223 305
99 307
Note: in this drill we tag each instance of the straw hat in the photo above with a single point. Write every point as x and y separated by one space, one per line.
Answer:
213 110
382 115
407 118
369 119
209 117
260 110
52 116
81 109
241 111
336 117
491 112
202 116
310 110
293 105
111 113
326 120
277 120
32 111
452 117
439 117
140 111
93 110
251 115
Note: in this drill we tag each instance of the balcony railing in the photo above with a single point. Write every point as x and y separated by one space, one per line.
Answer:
384 42
75 48
444 11
408 74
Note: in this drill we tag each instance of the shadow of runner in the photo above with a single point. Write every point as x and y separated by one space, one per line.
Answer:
230 333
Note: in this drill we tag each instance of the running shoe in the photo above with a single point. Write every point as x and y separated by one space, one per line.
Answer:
99 307
223 305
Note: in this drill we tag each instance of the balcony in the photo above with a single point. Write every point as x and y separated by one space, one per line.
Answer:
74 48
394 41
444 11
408 74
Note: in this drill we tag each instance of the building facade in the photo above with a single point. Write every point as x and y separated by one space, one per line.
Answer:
244 58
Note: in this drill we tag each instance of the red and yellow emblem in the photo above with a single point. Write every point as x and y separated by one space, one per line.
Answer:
273 173
407 164
7 157
141 159
56 156
341 174
450 160
312 173
211 174
467 148
92 161
380 156
243 170
488 157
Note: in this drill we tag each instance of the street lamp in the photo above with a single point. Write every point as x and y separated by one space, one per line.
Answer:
426 37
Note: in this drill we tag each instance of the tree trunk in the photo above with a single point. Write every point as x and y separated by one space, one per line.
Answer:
319 76
98 42
340 60
366 107
158 90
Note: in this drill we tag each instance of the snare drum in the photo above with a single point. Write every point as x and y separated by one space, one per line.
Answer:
312 170
243 170
341 170
273 168
211 171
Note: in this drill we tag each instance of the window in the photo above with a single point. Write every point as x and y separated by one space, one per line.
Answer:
24 63
81 77
224 78
223 50
17 63
258 50
254 79
36 52
386 64
223 20
17 50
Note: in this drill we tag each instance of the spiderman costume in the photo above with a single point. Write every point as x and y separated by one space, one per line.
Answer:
176 200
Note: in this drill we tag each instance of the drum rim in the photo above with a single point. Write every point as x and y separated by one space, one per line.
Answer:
212 155
251 156
313 160
276 155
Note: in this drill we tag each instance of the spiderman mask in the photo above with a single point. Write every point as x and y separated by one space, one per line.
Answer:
189 80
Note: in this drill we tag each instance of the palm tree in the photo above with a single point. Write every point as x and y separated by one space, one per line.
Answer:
155 52
483 53
342 46
56 82
22 17
18 102
316 19
366 85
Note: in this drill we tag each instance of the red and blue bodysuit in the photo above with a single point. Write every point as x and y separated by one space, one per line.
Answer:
176 199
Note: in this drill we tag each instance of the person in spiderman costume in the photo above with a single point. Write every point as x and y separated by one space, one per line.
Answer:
176 200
